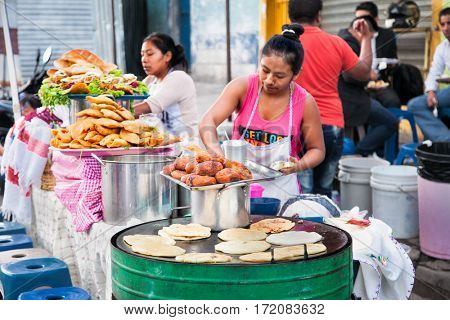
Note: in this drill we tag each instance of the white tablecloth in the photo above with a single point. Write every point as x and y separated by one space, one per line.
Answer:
86 254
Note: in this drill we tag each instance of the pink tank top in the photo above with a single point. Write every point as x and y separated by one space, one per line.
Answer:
263 132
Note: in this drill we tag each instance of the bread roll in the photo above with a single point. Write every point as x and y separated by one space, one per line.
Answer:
190 166
200 181
181 162
227 175
178 174
208 168
167 170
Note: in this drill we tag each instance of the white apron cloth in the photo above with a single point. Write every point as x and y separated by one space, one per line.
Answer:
171 116
286 186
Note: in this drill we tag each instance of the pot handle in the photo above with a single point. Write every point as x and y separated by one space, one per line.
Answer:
98 159
234 185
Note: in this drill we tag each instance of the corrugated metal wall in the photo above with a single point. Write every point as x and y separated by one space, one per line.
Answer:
337 14
62 24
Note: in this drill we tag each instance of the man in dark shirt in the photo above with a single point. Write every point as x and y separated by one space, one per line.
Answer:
386 47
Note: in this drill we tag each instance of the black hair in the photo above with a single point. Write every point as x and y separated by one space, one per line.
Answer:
288 46
368 6
302 11
32 100
165 44
444 12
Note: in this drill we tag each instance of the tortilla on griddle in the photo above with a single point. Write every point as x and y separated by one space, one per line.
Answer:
166 235
242 247
298 252
187 230
240 234
203 258
257 257
292 238
135 238
156 249
273 225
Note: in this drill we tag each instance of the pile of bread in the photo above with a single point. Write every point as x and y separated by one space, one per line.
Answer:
379 84
251 245
108 125
77 68
204 169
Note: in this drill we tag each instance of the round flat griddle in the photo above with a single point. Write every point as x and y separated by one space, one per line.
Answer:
334 239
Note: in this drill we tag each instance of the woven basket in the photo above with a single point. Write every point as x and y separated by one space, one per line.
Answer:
48 180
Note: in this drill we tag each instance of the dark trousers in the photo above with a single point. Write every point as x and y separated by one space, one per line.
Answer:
381 125
387 97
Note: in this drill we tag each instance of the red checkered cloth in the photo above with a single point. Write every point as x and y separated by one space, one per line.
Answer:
79 188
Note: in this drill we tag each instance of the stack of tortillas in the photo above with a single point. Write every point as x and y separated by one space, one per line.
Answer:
240 234
203 258
298 252
152 245
185 232
273 225
242 247
292 238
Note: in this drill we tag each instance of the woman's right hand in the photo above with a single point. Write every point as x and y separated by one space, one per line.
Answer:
141 108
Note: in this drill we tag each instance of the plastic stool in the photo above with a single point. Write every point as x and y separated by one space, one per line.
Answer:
22 254
65 293
27 275
407 151
12 228
391 145
15 241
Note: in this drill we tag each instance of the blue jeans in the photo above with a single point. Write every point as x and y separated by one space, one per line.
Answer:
320 179
382 124
432 128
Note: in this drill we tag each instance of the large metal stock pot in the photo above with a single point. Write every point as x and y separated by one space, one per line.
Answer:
132 186
221 209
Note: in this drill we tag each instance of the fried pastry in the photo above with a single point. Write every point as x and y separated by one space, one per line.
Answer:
111 115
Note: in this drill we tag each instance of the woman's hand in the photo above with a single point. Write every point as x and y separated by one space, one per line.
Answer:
141 108
299 166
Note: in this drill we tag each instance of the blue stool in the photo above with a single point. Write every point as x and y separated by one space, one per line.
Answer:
22 254
11 228
27 275
15 241
391 145
407 151
349 147
65 293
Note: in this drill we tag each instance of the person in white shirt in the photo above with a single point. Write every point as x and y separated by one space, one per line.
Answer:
422 107
172 91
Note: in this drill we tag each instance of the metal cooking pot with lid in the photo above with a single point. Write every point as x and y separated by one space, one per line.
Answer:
225 205
221 209
132 186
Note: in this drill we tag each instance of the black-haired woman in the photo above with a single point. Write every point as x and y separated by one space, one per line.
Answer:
171 89
274 114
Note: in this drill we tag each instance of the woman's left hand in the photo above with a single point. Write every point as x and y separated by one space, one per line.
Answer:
297 168
141 108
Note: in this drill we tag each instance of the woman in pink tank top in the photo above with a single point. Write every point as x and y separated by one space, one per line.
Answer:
274 114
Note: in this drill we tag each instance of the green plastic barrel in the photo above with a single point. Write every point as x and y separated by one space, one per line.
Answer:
329 276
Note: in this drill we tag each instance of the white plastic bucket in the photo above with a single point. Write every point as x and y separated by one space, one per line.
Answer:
394 199
354 176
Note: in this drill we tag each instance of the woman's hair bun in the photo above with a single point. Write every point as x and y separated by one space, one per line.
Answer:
180 50
292 31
